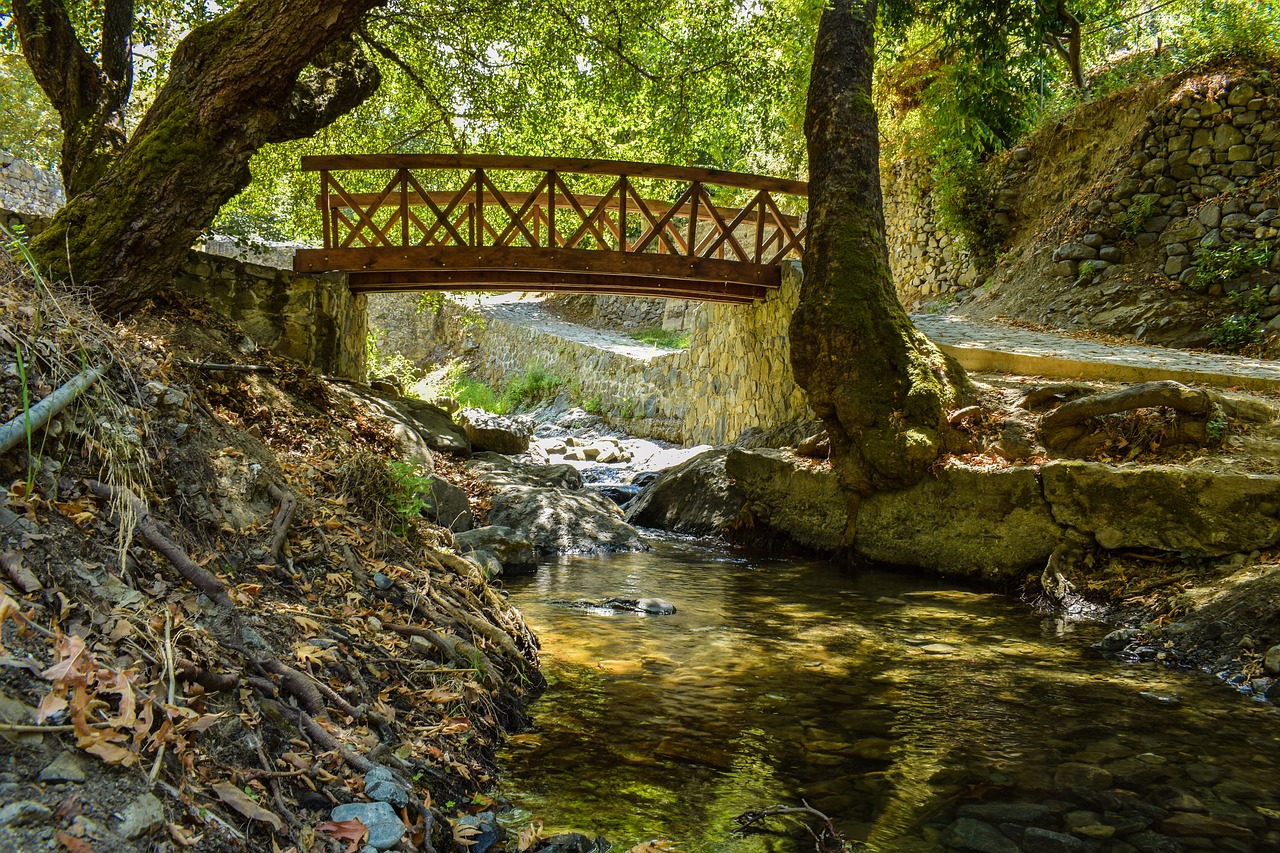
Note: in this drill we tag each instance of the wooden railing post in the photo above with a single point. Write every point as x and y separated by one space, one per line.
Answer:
622 213
404 207
325 213
695 191
552 235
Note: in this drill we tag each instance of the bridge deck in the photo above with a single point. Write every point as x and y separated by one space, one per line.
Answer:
390 233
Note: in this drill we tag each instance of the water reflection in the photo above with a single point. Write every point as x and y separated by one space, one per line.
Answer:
889 702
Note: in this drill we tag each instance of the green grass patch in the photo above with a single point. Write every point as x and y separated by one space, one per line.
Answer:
656 336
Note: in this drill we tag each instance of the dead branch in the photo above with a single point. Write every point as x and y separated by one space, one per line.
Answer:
229 368
36 417
320 736
200 578
827 840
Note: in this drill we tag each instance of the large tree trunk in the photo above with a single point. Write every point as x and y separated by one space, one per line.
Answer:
90 100
235 84
880 387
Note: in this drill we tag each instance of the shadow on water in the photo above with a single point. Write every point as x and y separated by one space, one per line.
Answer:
884 700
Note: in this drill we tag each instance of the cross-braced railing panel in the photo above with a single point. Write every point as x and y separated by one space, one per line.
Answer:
544 215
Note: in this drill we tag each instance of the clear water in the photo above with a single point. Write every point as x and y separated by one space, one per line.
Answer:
885 701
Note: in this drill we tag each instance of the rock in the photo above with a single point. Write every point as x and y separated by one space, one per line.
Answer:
1038 840
1188 823
695 497
1023 813
564 521
487 832
1167 508
142 817
1116 641
655 606
818 445
990 524
24 813
1075 252
1210 216
573 842
1271 661
974 836
382 581
381 784
65 768
512 549
787 496
385 827
497 470
1078 776
447 505
487 431
420 428
488 564
1182 230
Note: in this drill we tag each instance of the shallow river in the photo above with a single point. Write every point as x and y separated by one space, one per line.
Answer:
916 712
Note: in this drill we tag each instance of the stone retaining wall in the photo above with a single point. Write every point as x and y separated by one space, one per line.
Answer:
1200 180
927 262
735 375
314 319
27 188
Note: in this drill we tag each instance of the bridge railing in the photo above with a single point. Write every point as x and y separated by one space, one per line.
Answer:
433 215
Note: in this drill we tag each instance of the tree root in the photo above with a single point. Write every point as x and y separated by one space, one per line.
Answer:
200 578
280 524
213 682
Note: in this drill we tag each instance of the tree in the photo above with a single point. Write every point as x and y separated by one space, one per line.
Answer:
882 389
266 71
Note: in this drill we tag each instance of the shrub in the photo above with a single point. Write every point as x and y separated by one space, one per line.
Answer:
1227 263
1229 30
656 336
1132 218
1238 331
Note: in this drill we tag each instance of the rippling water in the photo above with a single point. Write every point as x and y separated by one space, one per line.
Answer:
888 702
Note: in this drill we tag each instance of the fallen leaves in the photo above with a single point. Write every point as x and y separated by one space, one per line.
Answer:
352 830
244 804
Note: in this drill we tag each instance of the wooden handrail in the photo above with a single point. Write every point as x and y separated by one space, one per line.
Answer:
615 168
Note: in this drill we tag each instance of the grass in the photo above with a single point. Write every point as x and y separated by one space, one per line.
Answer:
655 336
533 386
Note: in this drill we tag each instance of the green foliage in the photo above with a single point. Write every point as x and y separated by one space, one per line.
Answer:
593 405
474 394
30 124
532 386
964 192
1216 427
1131 220
379 363
656 336
1227 263
1085 272
410 484
1241 329
1216 31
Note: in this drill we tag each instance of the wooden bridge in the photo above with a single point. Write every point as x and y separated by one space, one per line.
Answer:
395 223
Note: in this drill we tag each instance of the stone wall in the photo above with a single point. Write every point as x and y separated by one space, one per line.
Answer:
734 377
927 262
314 319
27 188
1199 180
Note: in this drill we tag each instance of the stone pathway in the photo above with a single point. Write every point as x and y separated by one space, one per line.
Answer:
983 346
519 310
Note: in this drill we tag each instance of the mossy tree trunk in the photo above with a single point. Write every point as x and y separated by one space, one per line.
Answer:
882 389
267 71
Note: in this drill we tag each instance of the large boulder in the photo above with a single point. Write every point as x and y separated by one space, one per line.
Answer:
511 547
499 471
420 428
447 505
564 521
791 495
487 431
1165 507
960 521
695 497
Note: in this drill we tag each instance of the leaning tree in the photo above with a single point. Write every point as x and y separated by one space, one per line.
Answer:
265 71
882 389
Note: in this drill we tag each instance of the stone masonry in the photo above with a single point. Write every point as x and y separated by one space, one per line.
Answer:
27 188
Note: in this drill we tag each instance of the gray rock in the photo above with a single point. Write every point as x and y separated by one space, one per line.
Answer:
1023 813
488 564
447 505
513 549
65 768
973 836
382 581
781 493
655 606
1117 640
694 497
488 831
1076 252
497 470
1111 254
1037 840
1271 661
142 817
1077 776
487 431
564 521
1225 136
990 524
1166 508
573 842
1210 216
419 428
1182 230
24 813
385 827
381 784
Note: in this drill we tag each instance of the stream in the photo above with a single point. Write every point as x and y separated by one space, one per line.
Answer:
919 713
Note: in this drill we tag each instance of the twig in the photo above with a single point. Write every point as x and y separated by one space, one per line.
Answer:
41 413
829 839
201 578
21 728
232 368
